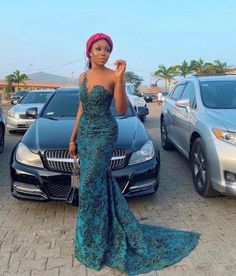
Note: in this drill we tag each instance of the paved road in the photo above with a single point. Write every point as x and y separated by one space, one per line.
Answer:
37 238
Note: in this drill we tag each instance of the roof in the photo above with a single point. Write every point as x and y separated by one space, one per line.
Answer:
215 77
151 89
36 84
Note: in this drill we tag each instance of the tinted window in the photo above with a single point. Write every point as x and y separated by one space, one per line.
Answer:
65 104
177 92
189 93
35 97
218 94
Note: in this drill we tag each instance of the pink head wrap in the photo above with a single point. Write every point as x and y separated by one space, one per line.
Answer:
95 38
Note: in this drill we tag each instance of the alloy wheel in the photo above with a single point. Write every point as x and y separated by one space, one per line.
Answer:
199 167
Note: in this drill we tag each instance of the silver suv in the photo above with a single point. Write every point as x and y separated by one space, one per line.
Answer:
199 118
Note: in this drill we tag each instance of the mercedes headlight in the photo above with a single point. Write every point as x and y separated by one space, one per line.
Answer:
12 114
27 157
226 136
144 154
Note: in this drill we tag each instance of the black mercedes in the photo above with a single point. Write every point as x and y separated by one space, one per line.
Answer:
40 165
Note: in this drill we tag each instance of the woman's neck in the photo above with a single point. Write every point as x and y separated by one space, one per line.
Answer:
96 67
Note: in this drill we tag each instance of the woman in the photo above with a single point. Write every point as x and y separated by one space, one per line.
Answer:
107 232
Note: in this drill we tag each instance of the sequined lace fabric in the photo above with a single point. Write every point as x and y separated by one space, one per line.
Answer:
107 232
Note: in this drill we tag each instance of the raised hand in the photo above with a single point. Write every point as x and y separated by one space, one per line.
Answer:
120 68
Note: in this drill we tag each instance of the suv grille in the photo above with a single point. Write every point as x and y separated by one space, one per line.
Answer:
60 161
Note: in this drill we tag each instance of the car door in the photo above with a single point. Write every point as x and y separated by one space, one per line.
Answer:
171 108
185 118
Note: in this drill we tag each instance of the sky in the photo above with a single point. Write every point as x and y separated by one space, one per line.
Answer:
50 36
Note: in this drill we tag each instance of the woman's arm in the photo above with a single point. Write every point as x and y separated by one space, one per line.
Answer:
121 99
72 144
76 124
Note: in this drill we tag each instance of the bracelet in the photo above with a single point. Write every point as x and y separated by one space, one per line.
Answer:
72 143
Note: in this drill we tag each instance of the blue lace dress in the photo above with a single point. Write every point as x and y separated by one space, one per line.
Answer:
107 233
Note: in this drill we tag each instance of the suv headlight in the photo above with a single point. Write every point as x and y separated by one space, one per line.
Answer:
226 136
144 154
12 114
27 157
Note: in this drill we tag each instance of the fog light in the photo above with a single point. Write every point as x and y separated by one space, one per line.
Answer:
230 176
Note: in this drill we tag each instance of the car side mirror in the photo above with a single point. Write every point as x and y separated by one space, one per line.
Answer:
185 103
32 112
14 102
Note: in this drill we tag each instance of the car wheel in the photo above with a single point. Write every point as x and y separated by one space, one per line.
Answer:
1 138
200 170
166 144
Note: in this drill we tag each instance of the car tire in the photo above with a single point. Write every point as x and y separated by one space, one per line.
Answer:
2 140
165 142
200 170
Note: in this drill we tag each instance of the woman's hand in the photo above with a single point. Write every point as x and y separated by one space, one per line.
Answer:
120 68
73 149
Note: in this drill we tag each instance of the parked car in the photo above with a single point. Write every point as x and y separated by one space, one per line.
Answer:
18 95
138 103
40 164
17 117
2 129
148 97
198 118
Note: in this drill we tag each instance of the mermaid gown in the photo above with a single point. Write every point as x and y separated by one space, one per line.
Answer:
107 233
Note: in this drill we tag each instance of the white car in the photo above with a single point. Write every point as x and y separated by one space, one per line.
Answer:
138 103
17 117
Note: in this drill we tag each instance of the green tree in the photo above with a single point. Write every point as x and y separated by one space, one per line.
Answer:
16 77
220 67
200 67
184 69
166 73
133 78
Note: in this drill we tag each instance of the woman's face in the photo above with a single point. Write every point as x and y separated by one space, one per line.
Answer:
100 52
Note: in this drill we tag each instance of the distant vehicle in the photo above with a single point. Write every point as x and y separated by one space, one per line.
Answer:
18 95
148 97
199 118
17 118
138 103
2 129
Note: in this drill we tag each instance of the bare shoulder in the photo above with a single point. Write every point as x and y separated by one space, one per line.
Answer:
111 74
81 78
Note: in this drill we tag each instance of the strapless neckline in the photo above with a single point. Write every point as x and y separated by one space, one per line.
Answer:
89 91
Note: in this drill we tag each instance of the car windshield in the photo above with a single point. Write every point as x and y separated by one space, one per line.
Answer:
36 97
65 104
219 94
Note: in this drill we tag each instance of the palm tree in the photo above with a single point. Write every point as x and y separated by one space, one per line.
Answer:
166 73
198 66
184 69
17 77
220 67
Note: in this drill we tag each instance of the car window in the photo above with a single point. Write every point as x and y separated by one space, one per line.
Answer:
130 89
218 94
176 94
65 104
35 97
189 93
